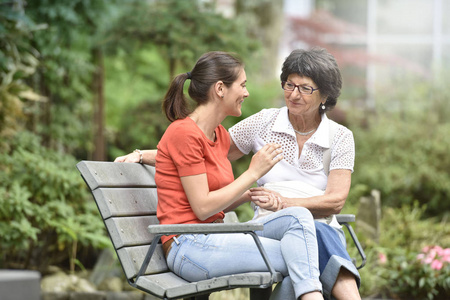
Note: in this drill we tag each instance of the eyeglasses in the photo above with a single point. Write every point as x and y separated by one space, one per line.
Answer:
303 89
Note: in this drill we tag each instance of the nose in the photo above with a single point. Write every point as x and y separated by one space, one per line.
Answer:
296 91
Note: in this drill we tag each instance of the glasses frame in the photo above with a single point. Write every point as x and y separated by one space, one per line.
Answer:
298 87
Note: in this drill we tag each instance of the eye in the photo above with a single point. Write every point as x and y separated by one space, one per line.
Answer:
289 85
305 89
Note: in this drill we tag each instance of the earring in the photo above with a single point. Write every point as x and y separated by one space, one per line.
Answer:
323 106
222 96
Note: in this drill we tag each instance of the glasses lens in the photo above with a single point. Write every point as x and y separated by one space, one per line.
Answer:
288 86
306 90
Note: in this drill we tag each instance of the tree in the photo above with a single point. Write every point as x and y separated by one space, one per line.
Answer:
18 61
180 30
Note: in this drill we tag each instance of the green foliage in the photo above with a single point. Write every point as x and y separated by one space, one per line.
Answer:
393 268
71 32
403 149
408 277
181 30
45 208
18 60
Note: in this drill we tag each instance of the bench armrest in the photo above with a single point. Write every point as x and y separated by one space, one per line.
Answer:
345 218
204 228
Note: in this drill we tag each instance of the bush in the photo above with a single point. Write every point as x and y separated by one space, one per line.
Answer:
410 275
46 212
402 147
395 267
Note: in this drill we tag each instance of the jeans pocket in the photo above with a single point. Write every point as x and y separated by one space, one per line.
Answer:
192 271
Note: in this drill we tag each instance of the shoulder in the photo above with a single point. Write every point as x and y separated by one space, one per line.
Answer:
271 113
339 130
182 126
262 117
222 133
181 130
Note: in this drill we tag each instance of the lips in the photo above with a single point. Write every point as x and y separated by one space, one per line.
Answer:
295 103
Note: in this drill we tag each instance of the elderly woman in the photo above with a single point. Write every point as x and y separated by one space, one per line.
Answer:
315 172
318 159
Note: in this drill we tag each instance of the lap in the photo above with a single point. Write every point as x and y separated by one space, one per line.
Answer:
199 257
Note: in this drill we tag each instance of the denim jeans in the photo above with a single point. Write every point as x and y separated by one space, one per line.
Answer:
289 239
333 256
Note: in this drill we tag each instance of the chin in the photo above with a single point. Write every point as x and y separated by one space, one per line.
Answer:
237 113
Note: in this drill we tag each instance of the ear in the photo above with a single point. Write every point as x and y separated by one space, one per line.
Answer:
219 89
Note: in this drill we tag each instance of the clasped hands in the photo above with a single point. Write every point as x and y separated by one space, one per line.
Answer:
267 199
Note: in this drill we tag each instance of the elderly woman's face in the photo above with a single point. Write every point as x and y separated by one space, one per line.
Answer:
301 103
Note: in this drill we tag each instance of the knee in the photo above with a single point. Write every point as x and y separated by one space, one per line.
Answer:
300 212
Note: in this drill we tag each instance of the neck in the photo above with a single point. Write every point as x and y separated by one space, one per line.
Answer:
304 123
207 119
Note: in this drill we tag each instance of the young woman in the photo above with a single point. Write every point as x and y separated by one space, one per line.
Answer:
196 185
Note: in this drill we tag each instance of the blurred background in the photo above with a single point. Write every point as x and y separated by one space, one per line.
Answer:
84 80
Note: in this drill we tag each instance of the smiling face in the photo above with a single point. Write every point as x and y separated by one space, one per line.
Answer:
235 94
302 104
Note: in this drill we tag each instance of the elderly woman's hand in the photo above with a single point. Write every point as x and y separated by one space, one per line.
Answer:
267 199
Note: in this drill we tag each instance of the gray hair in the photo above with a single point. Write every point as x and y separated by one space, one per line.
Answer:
319 65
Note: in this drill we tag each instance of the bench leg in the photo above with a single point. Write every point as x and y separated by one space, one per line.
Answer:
260 294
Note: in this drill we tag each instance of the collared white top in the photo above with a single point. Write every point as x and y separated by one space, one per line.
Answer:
273 126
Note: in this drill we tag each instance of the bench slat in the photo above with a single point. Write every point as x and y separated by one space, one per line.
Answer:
133 257
177 287
108 174
130 231
158 284
119 202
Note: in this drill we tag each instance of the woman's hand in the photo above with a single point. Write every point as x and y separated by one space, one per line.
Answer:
132 157
265 159
148 157
267 199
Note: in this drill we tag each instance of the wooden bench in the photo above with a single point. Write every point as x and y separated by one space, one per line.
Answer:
126 197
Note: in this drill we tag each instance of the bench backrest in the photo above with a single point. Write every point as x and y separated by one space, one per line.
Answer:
127 205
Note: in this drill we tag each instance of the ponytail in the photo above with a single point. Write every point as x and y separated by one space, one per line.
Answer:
175 104
210 68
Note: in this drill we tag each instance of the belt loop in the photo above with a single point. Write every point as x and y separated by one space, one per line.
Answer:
176 240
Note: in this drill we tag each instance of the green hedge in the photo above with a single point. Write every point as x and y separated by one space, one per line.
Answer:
46 212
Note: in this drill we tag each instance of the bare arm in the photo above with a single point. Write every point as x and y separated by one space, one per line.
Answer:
234 153
322 206
148 157
206 203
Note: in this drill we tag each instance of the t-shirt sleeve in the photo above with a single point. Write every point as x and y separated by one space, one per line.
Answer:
185 148
343 154
244 133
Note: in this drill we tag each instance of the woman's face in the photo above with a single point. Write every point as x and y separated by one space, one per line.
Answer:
235 94
301 104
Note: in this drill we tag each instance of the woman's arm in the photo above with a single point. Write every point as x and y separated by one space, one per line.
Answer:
322 206
206 203
234 153
148 157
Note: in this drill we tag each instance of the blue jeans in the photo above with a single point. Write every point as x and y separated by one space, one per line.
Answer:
333 256
289 239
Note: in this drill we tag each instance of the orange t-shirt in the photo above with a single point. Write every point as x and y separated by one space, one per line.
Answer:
184 150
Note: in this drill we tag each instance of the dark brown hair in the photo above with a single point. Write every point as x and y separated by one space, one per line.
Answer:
210 68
